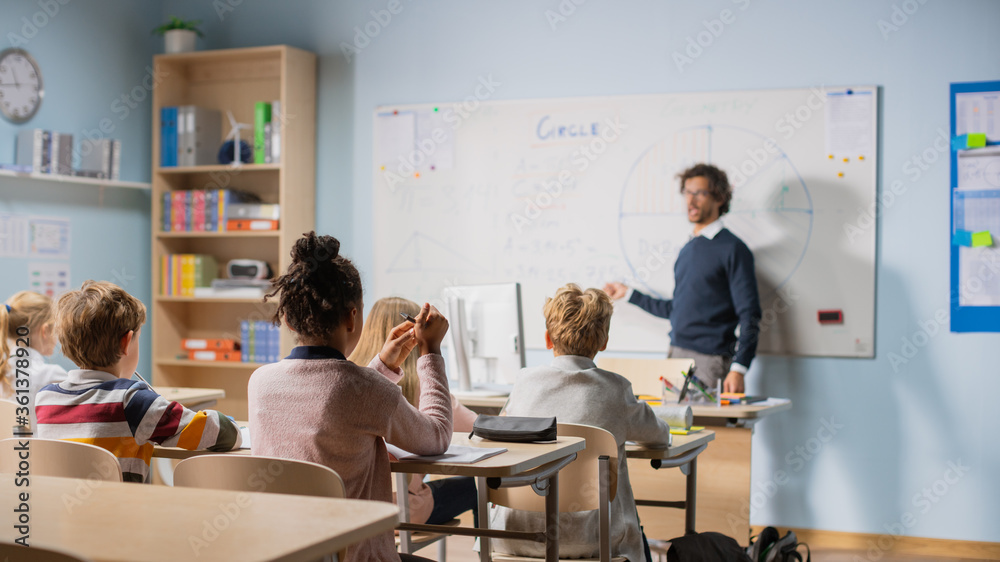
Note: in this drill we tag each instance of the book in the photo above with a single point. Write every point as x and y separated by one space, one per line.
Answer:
259 224
168 137
268 131
33 146
197 344
456 454
276 131
205 131
101 155
262 116
182 136
267 211
61 153
212 355
245 341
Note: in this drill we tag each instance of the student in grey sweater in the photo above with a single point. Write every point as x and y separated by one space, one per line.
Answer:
574 390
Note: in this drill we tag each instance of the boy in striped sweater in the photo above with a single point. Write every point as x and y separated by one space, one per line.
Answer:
98 327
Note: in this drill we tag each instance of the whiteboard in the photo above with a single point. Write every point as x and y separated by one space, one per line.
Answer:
551 191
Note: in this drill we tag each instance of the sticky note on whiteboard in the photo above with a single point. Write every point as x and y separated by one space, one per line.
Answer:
961 238
981 239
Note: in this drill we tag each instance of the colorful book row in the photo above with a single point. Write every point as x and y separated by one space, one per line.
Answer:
197 210
261 341
181 273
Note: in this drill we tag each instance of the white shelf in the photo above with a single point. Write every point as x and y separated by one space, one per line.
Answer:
75 179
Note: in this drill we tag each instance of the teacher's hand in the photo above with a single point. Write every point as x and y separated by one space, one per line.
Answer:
615 290
733 382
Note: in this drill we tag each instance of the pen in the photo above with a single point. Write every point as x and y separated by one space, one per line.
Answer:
408 317
136 374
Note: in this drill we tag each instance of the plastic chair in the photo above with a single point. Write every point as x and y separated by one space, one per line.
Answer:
644 374
237 472
11 551
68 459
597 464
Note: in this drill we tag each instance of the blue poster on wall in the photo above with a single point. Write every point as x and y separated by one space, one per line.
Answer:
975 207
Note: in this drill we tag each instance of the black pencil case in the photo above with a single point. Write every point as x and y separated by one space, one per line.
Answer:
514 429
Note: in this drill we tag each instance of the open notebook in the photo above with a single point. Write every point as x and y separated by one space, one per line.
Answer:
458 454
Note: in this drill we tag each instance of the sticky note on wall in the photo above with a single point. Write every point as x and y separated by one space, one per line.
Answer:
961 238
981 239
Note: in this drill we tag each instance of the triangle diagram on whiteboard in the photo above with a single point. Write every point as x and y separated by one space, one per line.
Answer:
423 253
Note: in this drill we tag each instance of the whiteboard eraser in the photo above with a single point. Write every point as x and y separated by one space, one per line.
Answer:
830 317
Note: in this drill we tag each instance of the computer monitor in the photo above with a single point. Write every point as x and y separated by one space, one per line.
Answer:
486 337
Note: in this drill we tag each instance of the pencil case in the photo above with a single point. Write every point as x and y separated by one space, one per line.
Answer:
514 429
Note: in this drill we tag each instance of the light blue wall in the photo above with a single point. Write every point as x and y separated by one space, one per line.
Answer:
90 53
900 429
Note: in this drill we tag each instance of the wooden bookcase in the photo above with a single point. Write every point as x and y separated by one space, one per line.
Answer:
233 80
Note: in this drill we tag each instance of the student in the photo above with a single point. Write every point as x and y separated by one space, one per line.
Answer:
32 311
98 327
574 390
438 501
317 406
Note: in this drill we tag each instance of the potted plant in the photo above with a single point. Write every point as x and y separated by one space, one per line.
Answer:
179 35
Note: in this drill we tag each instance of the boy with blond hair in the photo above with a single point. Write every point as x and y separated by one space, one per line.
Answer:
98 326
574 390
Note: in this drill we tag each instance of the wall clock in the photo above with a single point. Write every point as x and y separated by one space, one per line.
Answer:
20 85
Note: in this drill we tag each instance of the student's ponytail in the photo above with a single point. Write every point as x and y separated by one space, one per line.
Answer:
25 308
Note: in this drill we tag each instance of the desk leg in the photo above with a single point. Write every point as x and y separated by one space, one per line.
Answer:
484 519
552 520
403 503
691 496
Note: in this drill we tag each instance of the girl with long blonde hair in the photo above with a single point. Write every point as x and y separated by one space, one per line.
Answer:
27 321
438 501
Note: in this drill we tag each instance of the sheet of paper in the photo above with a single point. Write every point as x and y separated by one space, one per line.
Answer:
850 127
13 236
979 168
48 238
977 211
394 140
245 435
435 139
458 454
48 278
978 112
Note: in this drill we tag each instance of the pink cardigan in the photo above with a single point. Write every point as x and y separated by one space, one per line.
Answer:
421 498
317 406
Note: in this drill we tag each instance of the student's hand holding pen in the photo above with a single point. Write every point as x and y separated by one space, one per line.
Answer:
430 329
399 343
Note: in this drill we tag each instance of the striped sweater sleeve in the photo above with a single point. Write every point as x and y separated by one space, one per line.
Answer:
153 418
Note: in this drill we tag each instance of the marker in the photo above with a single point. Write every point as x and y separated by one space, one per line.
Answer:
405 316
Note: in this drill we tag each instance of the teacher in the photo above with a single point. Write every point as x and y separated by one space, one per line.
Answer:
715 289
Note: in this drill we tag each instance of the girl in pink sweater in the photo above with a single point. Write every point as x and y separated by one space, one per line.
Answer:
314 405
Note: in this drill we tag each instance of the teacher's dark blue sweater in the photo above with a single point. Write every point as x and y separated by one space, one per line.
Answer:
715 290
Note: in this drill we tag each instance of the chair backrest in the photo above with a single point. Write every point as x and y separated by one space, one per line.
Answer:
259 474
644 374
11 551
8 410
579 486
56 457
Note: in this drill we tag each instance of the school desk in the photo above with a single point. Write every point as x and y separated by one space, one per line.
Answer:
682 453
112 521
524 464
724 486
195 398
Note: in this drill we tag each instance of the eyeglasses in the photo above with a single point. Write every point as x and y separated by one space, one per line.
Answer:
700 194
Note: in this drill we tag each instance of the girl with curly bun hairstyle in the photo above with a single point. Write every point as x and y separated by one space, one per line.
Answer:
317 406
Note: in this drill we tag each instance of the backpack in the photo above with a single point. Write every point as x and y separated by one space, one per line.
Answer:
770 546
706 547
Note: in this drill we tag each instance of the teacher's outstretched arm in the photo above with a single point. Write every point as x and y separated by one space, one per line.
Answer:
657 307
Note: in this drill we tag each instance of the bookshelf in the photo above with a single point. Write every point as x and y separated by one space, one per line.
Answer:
231 79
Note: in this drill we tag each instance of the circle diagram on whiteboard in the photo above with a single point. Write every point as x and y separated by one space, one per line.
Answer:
771 210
